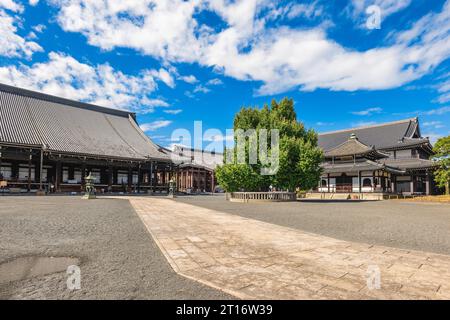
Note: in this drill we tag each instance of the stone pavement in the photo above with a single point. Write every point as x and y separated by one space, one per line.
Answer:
251 259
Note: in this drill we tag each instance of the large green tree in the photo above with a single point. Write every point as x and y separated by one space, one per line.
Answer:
442 154
299 156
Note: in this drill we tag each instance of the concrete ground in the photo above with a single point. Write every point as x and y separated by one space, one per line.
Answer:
257 260
119 259
394 223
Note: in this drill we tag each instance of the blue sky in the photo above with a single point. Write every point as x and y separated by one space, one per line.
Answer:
174 62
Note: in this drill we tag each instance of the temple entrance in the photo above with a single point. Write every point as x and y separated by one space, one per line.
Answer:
344 183
403 186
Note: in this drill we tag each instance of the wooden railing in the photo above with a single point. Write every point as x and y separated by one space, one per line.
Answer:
261 196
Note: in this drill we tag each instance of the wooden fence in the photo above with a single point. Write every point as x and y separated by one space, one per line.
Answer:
276 196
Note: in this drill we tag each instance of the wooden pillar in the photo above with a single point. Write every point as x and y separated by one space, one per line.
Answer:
393 180
204 180
151 176
187 178
110 178
58 176
165 176
83 174
154 175
130 178
213 187
38 170
359 181
1 155
181 173
190 178
30 156
328 182
139 178
427 183
374 186
412 183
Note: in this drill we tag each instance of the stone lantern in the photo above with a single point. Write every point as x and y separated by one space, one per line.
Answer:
171 189
90 189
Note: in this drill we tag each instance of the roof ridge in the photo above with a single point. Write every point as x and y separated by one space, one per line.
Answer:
145 137
120 136
370 126
65 101
348 141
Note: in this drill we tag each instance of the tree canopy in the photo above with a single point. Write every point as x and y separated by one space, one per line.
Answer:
299 157
442 154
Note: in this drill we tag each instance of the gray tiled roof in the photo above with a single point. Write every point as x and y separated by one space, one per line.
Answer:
409 164
380 136
353 147
410 142
31 118
358 166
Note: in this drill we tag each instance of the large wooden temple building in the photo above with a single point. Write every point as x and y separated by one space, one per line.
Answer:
49 144
388 158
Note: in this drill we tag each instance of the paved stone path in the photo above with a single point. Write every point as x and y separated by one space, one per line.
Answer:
251 259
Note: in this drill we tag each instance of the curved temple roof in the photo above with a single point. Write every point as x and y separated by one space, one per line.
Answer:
35 119
381 136
359 166
353 147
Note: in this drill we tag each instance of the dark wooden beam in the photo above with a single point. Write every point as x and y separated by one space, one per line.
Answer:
30 156
57 176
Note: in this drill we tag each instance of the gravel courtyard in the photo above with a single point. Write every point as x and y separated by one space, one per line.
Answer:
119 259
407 225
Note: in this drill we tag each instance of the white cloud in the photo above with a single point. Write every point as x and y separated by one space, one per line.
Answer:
189 94
434 124
214 82
154 102
281 57
433 136
201 88
164 76
31 35
367 112
322 124
157 28
33 2
307 10
387 7
444 89
11 5
437 111
189 79
39 28
174 111
12 44
64 76
152 126
362 124
292 10
444 98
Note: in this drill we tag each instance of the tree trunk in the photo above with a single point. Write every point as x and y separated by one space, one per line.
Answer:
447 188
